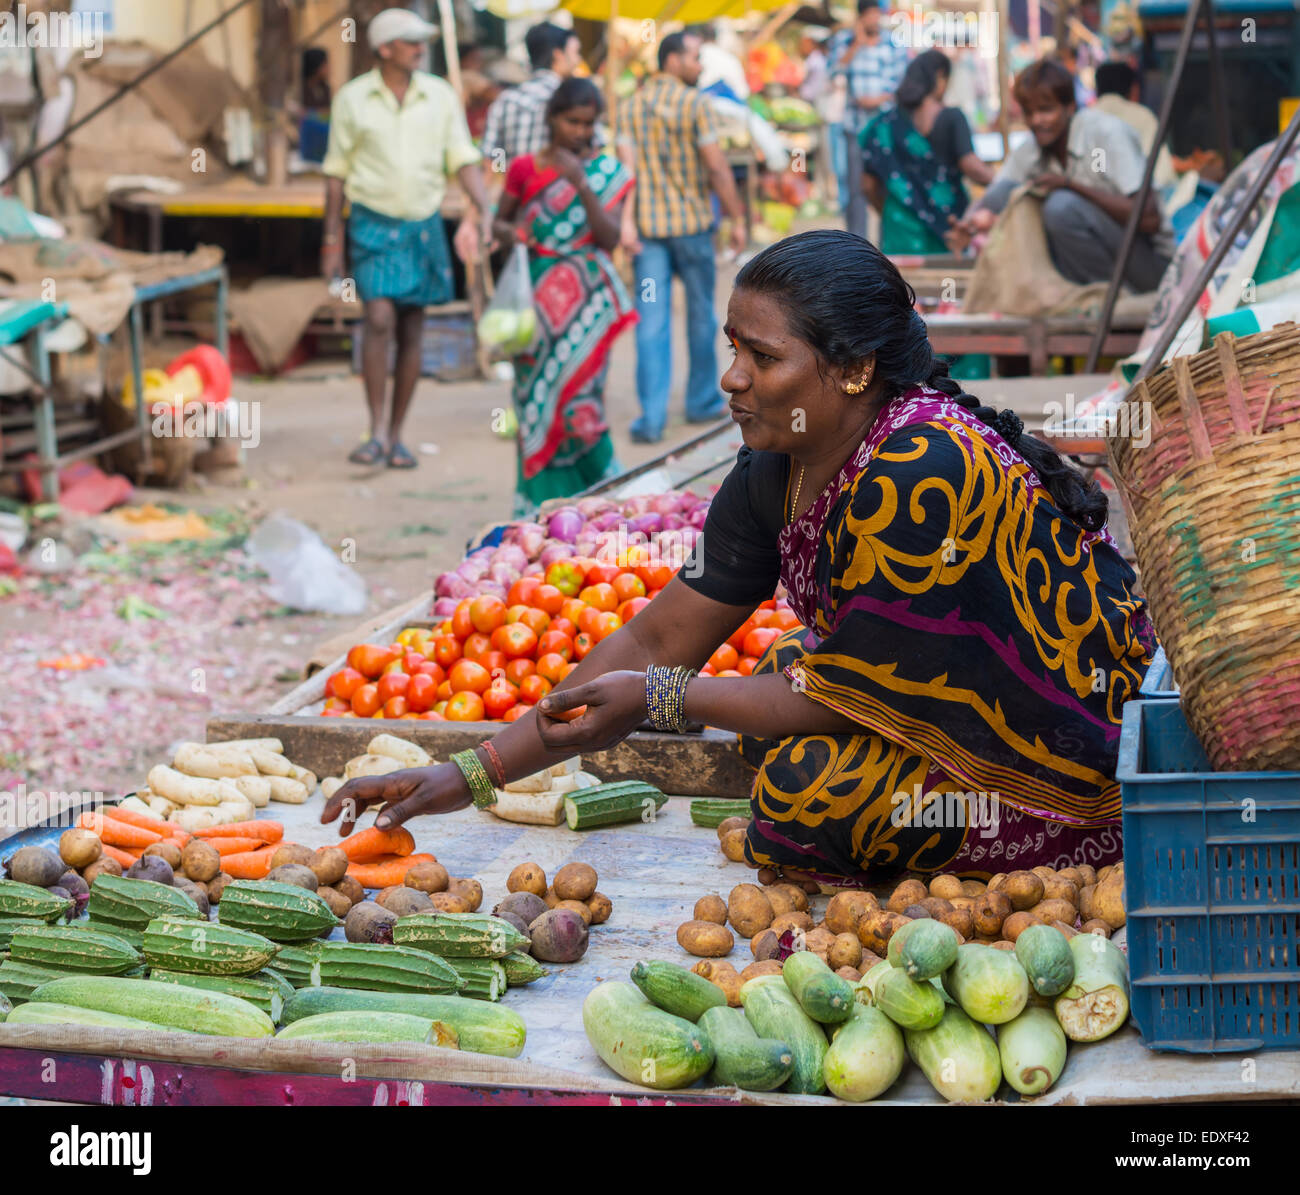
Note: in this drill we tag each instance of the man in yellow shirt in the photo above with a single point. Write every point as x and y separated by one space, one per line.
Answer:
396 135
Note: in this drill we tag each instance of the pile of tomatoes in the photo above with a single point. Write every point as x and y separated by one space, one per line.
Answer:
494 659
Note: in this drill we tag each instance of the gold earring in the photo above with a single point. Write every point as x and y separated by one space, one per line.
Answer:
855 387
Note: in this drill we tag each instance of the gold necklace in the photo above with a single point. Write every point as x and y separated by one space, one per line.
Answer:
798 485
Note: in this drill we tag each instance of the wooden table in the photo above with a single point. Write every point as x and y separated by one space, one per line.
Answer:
1039 339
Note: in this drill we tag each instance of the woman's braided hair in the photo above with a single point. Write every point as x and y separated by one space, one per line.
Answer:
848 301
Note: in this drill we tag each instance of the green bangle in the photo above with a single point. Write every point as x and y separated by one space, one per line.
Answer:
480 784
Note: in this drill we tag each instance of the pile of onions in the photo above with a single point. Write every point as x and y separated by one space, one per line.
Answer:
602 528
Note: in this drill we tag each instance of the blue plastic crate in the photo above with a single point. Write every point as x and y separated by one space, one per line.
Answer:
448 347
1212 890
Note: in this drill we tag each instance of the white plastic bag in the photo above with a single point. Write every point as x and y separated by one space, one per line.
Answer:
509 323
304 573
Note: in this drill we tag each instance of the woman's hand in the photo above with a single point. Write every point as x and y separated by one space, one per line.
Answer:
615 707
405 794
568 165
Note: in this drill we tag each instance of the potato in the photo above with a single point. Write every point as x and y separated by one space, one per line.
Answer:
1096 926
846 909
1068 930
935 905
974 888
705 939
1055 910
217 886
1088 902
749 910
792 894
791 923
990 911
733 845
291 852
845 951
1108 900
875 930
722 975
330 865
1072 874
917 912
351 887
946 886
1059 889
428 877
448 902
524 905
1003 944
961 919
559 936
994 884
201 860
151 867
768 875
711 908
600 907
550 898
574 881
197 892
527 877
731 823
79 848
469 890
404 901
909 892
1044 872
818 941
35 865
339 904
765 945
369 922
1018 922
1087 874
1023 889
767 967
578 907
294 873
172 854
102 866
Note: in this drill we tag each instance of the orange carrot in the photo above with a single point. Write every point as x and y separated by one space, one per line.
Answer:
117 813
236 846
248 865
113 832
263 831
125 858
385 871
373 844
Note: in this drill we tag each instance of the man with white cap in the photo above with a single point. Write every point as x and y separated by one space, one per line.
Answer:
396 135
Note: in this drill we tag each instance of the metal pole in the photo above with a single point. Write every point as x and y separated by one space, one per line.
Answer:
611 66
1218 88
1281 148
1140 199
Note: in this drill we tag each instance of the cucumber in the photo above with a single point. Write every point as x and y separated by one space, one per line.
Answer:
866 986
740 1057
261 990
821 993
379 967
458 935
611 804
957 1056
928 948
296 963
165 1004
368 1027
771 1008
44 1013
1096 1002
1044 952
907 1002
281 912
1032 1048
677 990
866 1056
711 812
643 1043
482 1028
990 985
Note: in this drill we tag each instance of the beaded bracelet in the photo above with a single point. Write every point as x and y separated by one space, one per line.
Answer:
665 696
480 784
495 760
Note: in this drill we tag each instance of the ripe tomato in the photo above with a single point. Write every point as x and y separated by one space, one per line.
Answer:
655 576
725 657
652 593
785 620
729 672
515 712
601 596
605 625
523 591
444 627
602 574
563 626
431 716
440 708
477 646
365 701
516 670
745 665
412 660
555 641
534 688
514 640
335 704
628 585
344 683
630 608
462 625
446 650
763 618
395 707
708 670
770 604
394 684
514 613
487 612
738 639
567 576
466 675
465 707
535 620
421 693
444 691
551 667
431 669
759 639
547 598
370 660
395 666
582 645
587 619
329 713
636 557
499 697
495 661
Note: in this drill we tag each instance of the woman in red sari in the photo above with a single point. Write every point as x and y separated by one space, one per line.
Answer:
565 203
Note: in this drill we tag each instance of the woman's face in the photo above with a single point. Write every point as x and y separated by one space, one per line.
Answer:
574 129
940 85
779 399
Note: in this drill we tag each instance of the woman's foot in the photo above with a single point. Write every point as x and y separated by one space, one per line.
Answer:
400 458
370 453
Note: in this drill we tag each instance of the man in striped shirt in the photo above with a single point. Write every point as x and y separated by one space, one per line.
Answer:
516 122
669 133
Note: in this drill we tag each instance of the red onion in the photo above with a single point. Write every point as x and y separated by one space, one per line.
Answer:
673 522
493 587
454 586
554 551
608 521
512 555
565 524
648 523
503 573
698 517
445 607
589 507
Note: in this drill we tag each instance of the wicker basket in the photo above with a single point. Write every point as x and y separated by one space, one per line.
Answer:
1214 504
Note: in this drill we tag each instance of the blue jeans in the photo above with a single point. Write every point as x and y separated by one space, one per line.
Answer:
691 259
839 161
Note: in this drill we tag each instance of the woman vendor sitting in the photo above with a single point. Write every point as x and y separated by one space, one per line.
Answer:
971 637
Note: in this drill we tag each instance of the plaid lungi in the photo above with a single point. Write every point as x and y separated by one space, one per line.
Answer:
407 261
